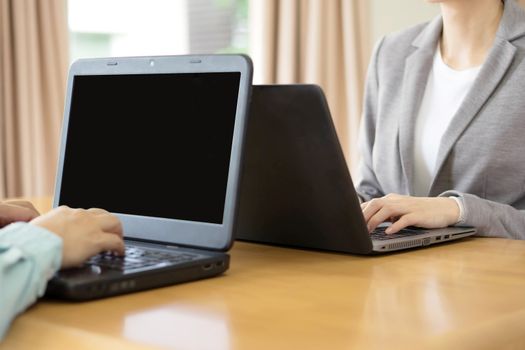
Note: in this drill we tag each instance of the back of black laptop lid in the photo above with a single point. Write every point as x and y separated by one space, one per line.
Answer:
296 189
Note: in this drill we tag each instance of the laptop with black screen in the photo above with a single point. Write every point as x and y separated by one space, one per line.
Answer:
156 141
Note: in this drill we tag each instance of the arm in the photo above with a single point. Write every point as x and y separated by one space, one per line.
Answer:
490 218
367 185
29 256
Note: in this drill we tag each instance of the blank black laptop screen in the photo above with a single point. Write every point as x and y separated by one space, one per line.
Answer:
154 145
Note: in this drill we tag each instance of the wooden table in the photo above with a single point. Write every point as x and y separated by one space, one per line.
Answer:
463 295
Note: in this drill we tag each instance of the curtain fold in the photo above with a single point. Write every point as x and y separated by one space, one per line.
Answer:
33 72
324 42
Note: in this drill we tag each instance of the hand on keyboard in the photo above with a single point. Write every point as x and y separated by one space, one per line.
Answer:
410 211
84 233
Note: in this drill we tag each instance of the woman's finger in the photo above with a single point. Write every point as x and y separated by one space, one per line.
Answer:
401 223
110 242
13 213
97 211
384 214
372 208
23 204
109 223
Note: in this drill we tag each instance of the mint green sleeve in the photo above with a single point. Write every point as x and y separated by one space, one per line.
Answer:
29 257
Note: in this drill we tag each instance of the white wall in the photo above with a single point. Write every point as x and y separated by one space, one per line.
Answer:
392 15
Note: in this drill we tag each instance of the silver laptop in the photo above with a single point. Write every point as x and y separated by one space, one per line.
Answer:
296 189
156 141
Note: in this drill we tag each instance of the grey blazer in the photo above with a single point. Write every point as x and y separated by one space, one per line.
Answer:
481 158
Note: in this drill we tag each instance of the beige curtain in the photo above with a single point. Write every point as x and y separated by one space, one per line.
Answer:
33 68
315 41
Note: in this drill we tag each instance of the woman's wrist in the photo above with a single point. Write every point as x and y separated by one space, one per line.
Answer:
460 217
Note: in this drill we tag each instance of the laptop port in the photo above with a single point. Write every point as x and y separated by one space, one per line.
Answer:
207 266
219 263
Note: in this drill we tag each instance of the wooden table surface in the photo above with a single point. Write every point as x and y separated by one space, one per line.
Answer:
464 295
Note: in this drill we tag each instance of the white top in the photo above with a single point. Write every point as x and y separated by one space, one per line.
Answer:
446 88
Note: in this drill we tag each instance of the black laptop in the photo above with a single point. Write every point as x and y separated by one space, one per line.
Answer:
296 189
156 141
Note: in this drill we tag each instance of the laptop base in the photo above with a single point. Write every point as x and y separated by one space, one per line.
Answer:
98 281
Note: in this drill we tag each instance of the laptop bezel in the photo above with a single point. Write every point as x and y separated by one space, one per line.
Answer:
165 230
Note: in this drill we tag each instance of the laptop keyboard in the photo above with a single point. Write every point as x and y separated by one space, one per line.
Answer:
379 233
136 258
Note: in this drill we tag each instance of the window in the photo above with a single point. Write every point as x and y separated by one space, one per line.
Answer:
100 28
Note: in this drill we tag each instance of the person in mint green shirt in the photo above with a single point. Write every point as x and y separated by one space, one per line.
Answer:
33 247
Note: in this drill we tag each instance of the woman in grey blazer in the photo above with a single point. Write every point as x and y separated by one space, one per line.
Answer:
432 157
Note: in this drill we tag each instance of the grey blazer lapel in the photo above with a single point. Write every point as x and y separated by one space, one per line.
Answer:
417 68
496 65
